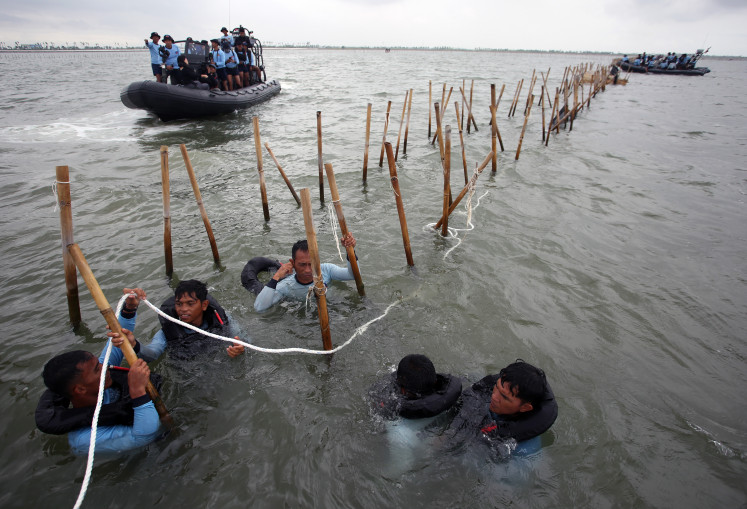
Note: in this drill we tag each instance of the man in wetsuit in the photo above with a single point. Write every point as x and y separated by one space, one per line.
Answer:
73 377
517 403
281 285
155 57
191 304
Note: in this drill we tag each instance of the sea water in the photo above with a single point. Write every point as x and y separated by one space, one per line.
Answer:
613 258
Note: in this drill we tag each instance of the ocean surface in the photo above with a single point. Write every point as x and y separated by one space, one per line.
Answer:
614 259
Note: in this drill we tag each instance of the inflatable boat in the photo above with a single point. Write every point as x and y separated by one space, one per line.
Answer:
696 71
172 102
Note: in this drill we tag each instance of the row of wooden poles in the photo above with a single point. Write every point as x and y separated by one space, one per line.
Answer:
573 82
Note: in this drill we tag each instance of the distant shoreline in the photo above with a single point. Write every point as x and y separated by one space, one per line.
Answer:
356 48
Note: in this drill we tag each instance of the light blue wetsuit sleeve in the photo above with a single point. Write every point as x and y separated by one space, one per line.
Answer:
331 272
268 297
155 349
118 438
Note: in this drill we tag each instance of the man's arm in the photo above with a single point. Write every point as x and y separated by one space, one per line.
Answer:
268 297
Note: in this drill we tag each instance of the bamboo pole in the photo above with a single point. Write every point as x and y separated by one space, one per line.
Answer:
398 200
66 229
166 210
430 100
383 139
320 160
401 124
407 125
443 112
523 129
316 268
471 117
198 197
464 190
113 323
447 183
493 136
552 114
499 97
461 124
260 168
344 227
531 89
461 139
469 109
365 150
438 136
542 101
282 174
516 98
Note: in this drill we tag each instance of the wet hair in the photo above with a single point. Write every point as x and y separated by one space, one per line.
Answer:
416 374
526 382
61 371
180 60
301 245
189 287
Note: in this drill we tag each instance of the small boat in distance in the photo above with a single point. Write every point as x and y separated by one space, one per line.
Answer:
171 102
669 64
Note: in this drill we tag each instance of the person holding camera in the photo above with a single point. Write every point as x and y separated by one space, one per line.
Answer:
171 54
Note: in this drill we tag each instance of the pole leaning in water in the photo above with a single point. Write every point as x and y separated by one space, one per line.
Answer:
113 323
398 199
465 189
368 137
260 168
316 267
198 197
166 210
282 174
66 227
344 227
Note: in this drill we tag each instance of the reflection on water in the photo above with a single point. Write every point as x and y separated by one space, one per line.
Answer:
613 259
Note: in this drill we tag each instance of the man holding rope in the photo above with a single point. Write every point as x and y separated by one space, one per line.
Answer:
282 286
191 304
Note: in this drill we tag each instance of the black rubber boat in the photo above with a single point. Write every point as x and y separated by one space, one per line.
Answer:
696 71
171 102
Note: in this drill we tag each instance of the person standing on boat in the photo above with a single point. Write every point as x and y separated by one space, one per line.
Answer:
155 57
243 66
232 66
226 36
281 285
172 66
219 60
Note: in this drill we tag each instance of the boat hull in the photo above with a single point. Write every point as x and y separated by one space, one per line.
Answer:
697 71
171 102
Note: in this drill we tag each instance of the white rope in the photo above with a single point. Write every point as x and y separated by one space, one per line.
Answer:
454 232
334 224
95 421
360 330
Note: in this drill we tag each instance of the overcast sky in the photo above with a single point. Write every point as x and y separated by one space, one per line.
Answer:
621 26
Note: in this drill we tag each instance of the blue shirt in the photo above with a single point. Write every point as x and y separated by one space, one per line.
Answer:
219 58
291 288
228 38
231 54
173 55
155 57
145 427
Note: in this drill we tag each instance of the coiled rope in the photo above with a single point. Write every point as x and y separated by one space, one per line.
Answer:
454 232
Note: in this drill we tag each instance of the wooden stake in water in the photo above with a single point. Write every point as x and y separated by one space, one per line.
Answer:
407 124
66 228
398 200
493 136
430 101
320 290
447 183
260 168
471 116
198 197
401 124
469 110
113 323
542 101
383 138
443 112
282 174
320 160
368 136
523 129
463 192
439 136
344 227
166 210
461 124
461 139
